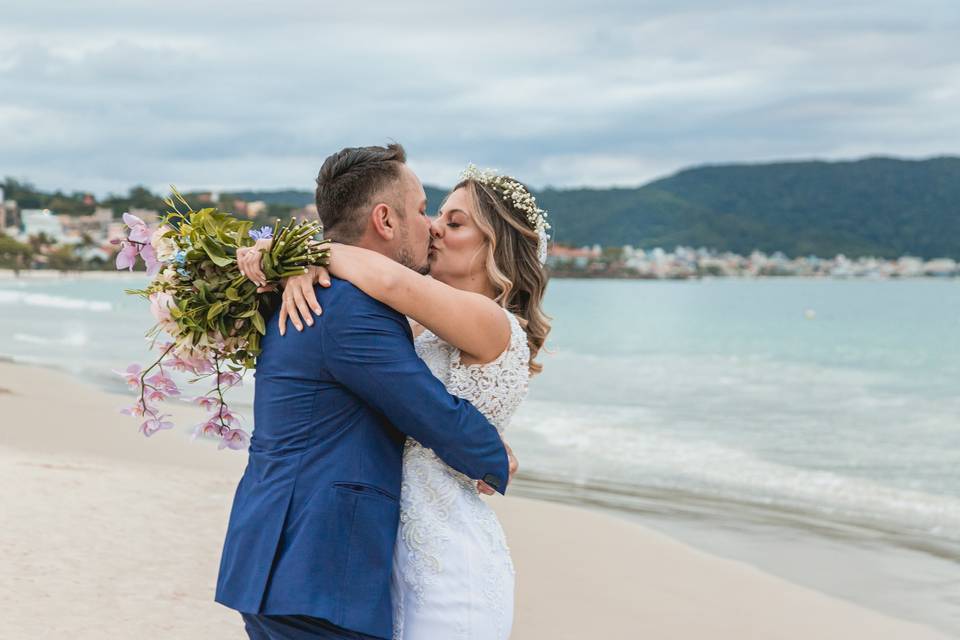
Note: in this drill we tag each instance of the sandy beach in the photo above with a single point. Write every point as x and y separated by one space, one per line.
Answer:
108 534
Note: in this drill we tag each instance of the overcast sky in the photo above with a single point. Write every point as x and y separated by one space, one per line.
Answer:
235 95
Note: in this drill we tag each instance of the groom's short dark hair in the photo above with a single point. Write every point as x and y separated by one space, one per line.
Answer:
347 183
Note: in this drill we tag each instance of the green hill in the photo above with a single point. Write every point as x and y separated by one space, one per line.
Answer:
877 206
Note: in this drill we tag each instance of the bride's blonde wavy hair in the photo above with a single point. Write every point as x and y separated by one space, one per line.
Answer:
512 262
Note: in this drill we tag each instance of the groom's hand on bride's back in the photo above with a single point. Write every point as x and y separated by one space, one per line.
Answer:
300 300
483 487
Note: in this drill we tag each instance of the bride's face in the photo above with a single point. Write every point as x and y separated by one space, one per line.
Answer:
459 247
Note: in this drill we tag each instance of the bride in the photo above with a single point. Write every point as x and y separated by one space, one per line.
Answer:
478 324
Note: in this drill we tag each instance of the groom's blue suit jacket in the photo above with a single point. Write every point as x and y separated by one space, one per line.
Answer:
315 515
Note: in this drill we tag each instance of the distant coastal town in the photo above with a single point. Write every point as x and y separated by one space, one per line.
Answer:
45 239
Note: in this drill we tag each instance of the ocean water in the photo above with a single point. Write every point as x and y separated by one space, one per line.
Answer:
827 404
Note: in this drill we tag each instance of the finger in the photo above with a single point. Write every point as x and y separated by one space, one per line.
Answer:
323 276
283 318
310 296
303 307
291 306
257 269
240 261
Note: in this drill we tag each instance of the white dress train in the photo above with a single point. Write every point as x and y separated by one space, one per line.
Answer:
452 574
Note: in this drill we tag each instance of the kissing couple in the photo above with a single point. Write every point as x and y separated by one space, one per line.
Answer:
378 421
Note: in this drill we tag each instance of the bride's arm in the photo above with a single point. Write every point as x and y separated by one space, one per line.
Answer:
471 322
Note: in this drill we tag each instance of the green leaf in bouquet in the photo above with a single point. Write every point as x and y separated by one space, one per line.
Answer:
249 313
242 234
215 309
203 288
232 294
215 253
259 325
223 325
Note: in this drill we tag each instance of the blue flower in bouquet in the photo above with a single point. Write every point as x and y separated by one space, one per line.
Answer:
180 257
263 233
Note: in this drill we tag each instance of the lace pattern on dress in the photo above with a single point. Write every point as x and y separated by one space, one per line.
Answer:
430 490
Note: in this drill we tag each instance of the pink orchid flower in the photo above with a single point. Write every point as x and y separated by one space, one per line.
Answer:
132 374
235 439
137 410
160 305
228 417
151 426
229 379
127 257
156 395
208 428
207 402
203 365
149 256
163 383
138 228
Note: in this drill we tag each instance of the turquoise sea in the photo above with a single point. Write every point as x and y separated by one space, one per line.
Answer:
784 422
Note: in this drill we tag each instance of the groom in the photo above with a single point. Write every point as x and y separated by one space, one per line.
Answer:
309 547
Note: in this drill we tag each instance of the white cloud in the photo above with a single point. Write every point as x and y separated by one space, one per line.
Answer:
102 96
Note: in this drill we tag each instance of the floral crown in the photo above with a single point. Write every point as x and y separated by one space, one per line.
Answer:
517 194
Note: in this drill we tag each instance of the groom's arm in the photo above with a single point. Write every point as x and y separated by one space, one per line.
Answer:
368 349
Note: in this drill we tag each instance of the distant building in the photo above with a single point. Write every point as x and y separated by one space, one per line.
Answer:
942 267
256 208
37 221
567 256
94 225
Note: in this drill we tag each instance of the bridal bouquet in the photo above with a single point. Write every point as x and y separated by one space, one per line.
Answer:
208 309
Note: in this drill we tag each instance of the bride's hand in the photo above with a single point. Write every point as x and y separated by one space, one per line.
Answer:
249 261
299 298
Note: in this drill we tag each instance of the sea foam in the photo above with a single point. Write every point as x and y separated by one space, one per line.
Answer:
56 302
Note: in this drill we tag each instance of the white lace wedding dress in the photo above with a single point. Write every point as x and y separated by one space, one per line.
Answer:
452 574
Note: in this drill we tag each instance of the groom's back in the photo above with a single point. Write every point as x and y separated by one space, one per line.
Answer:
298 404
315 515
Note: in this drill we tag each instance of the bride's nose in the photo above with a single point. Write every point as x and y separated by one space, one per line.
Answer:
436 229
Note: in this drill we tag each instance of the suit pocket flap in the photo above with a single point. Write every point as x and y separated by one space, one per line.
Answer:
365 489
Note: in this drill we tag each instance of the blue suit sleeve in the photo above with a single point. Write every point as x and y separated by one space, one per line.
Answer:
368 349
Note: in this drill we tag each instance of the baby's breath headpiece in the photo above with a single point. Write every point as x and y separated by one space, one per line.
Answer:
522 199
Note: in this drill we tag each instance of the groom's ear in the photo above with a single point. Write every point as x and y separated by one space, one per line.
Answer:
384 221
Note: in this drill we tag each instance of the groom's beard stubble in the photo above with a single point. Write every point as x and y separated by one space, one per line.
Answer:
405 254
405 257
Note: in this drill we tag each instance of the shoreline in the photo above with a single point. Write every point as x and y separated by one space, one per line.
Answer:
623 576
7 275
899 572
